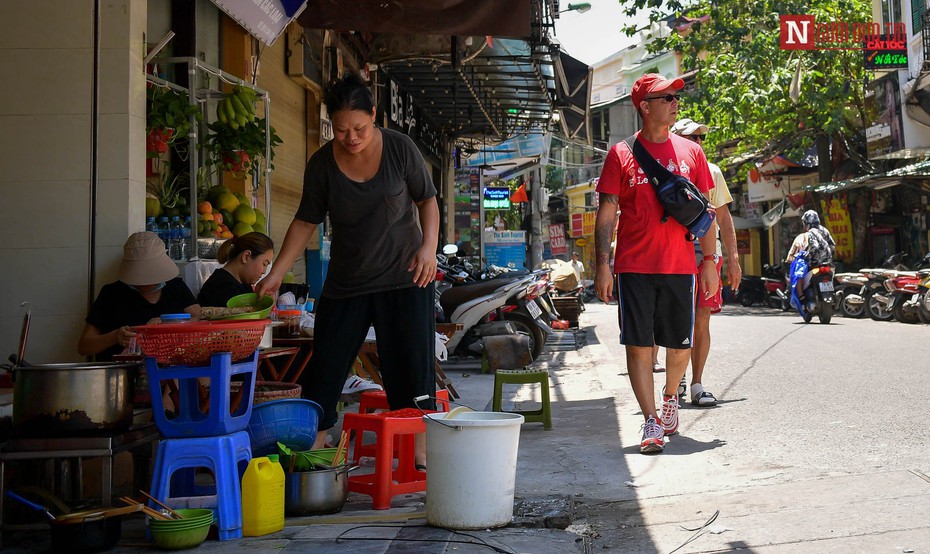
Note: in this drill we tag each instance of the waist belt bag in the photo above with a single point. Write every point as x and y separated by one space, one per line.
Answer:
680 198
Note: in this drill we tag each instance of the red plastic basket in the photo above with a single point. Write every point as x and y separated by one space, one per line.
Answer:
193 343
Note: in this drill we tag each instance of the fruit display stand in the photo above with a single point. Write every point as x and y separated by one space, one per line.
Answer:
209 100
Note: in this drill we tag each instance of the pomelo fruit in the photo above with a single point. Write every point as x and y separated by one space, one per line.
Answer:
260 218
215 192
228 217
244 214
242 229
227 201
243 199
152 207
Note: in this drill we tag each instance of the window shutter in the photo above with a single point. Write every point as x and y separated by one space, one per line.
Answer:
918 7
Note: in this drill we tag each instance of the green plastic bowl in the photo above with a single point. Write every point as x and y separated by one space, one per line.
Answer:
193 517
250 300
179 539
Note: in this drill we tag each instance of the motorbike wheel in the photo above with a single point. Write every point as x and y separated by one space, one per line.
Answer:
901 315
826 313
745 298
877 310
923 307
524 324
850 309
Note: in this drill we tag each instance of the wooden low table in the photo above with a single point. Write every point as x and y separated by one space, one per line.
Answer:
298 363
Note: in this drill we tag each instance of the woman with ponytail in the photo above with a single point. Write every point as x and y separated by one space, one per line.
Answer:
245 260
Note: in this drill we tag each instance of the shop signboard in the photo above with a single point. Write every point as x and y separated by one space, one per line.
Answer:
587 223
884 135
264 19
576 225
404 115
518 147
557 242
496 198
505 248
764 188
836 218
743 241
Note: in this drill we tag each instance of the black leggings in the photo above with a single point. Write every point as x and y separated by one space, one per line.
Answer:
405 324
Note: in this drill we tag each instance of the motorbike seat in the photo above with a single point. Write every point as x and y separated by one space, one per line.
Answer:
456 296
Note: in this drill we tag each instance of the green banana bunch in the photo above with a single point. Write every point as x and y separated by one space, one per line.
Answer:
237 108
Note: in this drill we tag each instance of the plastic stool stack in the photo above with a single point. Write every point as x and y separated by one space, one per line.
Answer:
211 437
394 432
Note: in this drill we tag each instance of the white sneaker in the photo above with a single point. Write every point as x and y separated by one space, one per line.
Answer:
355 384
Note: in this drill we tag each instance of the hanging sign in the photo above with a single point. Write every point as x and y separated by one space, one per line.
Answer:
263 19
405 116
836 216
557 242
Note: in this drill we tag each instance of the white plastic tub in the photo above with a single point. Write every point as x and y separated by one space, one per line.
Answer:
472 460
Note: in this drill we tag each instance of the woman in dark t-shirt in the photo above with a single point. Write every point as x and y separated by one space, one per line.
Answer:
245 259
148 287
375 188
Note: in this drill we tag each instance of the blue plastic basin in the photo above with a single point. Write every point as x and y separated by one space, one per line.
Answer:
291 421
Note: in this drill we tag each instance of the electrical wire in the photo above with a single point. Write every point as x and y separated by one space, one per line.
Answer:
478 541
698 531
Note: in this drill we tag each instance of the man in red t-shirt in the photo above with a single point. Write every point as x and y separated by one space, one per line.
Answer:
654 262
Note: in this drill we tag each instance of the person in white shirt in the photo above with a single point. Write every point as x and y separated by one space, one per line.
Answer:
578 266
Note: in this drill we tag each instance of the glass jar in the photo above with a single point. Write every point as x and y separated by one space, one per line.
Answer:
291 327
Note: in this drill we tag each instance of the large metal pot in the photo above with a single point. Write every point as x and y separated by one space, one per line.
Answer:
321 491
62 399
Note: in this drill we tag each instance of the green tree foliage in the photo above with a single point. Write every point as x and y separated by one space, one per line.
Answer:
743 78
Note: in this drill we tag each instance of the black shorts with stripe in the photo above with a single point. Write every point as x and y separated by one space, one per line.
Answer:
656 309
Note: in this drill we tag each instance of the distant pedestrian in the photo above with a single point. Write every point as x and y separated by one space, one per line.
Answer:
654 261
578 266
708 303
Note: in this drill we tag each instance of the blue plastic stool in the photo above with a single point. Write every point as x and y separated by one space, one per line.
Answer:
220 417
227 456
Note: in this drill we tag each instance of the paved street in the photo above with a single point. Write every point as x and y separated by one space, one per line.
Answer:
818 444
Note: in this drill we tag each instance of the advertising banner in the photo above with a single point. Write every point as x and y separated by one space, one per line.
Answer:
836 217
505 248
263 19
557 242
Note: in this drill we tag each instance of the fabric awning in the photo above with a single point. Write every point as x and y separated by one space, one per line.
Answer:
422 17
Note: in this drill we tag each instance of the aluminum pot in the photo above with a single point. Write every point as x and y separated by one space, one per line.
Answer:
321 491
62 399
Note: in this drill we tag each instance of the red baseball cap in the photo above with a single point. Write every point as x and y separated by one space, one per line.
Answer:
653 82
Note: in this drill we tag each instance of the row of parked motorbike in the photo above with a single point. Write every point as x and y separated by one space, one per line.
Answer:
494 300
890 292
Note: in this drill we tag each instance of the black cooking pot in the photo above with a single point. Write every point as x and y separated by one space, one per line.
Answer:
87 535
85 532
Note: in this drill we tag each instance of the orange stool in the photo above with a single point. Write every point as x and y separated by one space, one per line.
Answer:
394 438
372 400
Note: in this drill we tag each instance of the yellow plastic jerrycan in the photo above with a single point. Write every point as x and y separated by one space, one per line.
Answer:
263 497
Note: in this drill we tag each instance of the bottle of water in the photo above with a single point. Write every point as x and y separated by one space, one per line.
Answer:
164 230
184 247
151 225
174 239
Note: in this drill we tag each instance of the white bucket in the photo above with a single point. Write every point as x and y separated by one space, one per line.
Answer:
472 460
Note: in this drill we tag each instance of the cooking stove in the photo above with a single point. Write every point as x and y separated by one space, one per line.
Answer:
139 440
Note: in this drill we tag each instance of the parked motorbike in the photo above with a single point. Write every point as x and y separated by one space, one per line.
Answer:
905 291
770 288
879 297
479 307
849 294
923 297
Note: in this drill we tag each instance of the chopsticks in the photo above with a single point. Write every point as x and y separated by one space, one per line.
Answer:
155 500
154 514
343 443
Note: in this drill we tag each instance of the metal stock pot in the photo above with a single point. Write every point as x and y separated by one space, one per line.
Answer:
61 399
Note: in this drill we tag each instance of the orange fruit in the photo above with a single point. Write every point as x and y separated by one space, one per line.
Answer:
218 217
204 207
226 235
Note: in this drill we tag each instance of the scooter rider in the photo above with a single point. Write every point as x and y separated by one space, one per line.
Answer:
816 244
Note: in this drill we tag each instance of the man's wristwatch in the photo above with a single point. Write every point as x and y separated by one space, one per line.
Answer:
715 258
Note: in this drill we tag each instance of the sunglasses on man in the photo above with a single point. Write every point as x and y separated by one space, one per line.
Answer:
696 138
666 98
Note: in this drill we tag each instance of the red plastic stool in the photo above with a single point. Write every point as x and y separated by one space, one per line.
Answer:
395 428
372 400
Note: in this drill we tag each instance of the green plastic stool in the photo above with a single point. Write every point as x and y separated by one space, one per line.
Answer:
520 377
